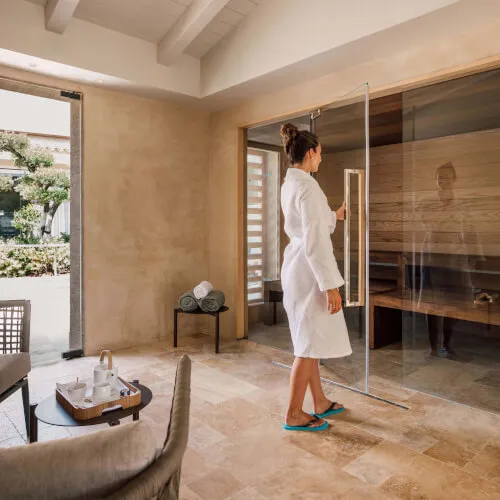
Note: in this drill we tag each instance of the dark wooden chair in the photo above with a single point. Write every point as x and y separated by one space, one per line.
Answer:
15 363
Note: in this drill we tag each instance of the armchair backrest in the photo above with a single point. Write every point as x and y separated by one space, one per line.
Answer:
14 326
161 480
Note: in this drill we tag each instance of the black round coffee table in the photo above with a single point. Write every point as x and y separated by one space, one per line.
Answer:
52 413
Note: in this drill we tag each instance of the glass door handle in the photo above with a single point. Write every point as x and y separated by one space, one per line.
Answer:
359 300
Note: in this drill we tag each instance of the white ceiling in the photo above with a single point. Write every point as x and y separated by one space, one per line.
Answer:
148 20
223 51
151 20
222 25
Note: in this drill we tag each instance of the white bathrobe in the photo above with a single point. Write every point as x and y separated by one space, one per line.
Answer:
309 269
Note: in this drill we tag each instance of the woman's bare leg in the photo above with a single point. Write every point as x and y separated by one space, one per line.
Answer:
321 402
299 380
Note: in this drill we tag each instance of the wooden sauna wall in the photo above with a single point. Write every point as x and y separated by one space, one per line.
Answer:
405 206
404 198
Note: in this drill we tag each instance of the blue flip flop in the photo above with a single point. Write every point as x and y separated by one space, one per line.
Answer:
329 412
308 427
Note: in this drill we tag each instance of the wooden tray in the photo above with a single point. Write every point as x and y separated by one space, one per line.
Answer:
134 399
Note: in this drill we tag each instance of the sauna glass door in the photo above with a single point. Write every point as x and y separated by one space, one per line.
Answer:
342 128
451 240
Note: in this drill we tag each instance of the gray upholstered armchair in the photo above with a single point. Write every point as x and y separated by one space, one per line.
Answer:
161 480
15 361
119 463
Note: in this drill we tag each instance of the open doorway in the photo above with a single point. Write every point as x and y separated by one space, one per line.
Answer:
40 222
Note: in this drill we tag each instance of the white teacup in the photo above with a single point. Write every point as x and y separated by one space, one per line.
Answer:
76 391
102 390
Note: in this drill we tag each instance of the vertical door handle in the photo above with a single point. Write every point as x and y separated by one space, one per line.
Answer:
359 300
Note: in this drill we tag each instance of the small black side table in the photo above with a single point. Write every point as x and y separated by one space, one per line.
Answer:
51 412
274 297
199 311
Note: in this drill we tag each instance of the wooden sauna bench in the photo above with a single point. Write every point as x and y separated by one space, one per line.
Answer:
387 306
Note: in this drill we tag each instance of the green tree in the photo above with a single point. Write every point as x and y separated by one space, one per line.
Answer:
6 184
25 221
24 154
43 185
47 187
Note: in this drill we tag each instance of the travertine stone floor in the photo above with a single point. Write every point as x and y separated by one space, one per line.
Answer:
238 451
472 379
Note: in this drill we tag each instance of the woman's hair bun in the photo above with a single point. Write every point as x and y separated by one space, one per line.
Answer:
288 133
297 143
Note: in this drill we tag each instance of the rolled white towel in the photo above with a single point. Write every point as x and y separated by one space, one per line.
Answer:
203 289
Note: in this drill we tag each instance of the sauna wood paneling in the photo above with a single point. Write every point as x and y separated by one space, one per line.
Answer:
405 204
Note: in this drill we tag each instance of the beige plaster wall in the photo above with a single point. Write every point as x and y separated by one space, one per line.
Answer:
144 211
457 53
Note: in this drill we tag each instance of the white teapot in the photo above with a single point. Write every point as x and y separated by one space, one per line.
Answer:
105 372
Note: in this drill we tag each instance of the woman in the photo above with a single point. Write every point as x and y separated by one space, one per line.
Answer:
310 280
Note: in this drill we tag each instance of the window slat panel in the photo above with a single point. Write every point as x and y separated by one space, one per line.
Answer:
254 201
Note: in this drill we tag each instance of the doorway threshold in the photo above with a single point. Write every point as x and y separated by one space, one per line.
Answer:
353 389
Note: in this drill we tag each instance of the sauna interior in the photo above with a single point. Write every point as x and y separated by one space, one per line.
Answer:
432 322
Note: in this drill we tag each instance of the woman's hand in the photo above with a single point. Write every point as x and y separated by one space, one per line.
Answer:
341 212
334 301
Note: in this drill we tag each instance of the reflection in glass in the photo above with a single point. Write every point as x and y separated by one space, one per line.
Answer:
436 281
451 240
